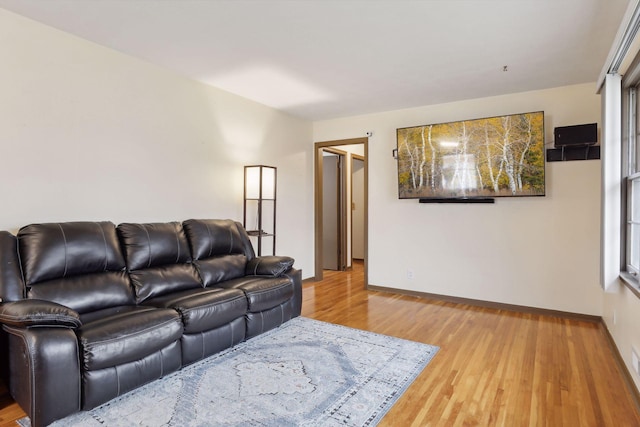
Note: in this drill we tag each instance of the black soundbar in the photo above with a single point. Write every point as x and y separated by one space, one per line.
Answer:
459 200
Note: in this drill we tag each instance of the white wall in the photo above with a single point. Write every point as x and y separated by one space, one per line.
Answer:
622 317
539 252
87 133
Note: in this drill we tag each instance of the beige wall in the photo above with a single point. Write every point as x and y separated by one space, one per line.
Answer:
540 252
87 133
622 316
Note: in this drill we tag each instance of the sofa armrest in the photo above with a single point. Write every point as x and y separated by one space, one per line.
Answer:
295 276
269 266
30 313
45 372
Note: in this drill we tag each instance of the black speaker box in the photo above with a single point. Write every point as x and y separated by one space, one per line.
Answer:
576 135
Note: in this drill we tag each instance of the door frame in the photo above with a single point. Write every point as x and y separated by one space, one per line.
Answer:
317 154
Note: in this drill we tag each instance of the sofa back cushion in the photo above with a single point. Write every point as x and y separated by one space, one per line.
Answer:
11 284
76 264
158 259
218 249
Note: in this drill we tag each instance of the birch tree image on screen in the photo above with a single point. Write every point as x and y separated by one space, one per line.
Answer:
491 157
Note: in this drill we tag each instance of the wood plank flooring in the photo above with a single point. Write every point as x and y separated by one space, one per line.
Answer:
494 367
9 410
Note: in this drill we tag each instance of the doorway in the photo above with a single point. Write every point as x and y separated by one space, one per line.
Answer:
334 210
354 172
357 208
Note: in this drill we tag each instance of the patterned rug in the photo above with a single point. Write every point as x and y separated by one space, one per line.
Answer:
304 373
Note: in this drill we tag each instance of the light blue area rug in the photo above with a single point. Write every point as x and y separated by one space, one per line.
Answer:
304 373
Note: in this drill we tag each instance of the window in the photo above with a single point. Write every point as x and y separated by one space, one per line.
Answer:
618 83
633 225
631 172
633 185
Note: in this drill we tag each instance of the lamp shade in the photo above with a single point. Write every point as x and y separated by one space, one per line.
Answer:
260 182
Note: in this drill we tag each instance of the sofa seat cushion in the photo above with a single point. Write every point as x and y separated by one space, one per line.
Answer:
263 293
126 336
111 312
204 309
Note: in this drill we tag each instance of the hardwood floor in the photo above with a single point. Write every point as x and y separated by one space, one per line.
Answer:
494 367
9 410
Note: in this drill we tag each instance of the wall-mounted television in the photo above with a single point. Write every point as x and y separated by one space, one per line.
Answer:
499 156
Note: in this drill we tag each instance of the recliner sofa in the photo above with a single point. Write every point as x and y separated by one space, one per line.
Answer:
93 311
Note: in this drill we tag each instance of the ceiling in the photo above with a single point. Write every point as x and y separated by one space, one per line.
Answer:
325 59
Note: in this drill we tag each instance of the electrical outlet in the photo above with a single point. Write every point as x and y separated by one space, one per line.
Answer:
635 362
410 274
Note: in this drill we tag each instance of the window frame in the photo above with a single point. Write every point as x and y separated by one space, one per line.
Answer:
630 174
632 268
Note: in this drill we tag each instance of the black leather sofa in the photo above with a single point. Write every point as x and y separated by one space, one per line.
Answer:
91 311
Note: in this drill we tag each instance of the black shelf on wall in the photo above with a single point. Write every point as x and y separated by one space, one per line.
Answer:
574 152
